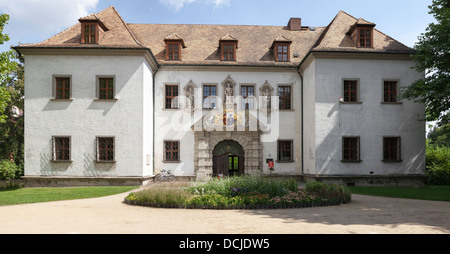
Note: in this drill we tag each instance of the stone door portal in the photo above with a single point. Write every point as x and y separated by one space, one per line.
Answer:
228 158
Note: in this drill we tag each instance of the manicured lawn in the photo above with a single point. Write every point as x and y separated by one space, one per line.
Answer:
429 192
35 195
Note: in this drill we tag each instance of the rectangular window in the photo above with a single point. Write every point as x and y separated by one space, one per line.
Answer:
390 91
209 96
61 148
350 149
285 150
350 90
173 51
62 88
391 149
171 96
105 88
172 150
284 94
228 52
105 149
247 93
89 33
282 52
365 37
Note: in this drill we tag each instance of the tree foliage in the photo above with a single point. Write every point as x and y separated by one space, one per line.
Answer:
7 65
433 58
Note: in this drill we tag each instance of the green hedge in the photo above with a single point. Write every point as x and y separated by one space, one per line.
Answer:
437 165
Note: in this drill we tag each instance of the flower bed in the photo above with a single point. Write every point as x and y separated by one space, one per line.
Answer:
243 192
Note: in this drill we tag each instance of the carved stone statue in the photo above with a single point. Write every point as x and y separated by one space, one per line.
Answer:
228 93
266 98
190 97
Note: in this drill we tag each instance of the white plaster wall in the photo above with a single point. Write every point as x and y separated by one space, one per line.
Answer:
309 144
289 123
371 120
83 118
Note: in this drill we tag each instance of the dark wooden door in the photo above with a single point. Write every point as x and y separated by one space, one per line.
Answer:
221 164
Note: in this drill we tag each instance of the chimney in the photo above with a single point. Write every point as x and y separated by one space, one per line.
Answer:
295 24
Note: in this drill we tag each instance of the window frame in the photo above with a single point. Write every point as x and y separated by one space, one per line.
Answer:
55 87
55 149
280 98
173 103
228 43
98 83
397 89
166 152
353 150
246 102
362 36
212 99
98 148
280 158
171 53
288 53
89 33
398 149
356 92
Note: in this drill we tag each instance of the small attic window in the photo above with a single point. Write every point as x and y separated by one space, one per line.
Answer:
91 29
282 52
281 47
89 33
228 46
174 44
365 38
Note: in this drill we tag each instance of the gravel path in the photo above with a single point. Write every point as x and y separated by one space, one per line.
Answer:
109 215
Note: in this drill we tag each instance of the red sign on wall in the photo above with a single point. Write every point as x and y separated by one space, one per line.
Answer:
270 164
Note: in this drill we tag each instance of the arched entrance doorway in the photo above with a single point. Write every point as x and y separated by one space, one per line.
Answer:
228 158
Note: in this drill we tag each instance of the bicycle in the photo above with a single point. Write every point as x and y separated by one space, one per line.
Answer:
164 176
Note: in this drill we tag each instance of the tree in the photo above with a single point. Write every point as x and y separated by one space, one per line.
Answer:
7 65
433 58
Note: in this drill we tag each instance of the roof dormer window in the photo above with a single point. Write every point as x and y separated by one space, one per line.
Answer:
174 44
91 29
362 33
228 46
281 49
365 37
89 34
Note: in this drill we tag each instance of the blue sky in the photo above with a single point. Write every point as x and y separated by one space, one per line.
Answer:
36 20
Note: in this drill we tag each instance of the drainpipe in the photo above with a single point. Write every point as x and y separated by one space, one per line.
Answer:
153 120
301 99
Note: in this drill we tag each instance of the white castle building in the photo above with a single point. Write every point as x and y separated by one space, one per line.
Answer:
113 103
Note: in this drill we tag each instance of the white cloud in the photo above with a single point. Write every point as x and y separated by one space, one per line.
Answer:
178 4
43 18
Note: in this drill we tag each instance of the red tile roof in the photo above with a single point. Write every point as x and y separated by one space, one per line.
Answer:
202 41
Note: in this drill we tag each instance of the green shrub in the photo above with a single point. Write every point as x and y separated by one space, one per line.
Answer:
242 185
329 191
242 191
437 165
163 194
8 170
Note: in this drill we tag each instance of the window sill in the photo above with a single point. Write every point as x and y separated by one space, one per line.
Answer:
351 161
170 109
350 102
61 161
394 103
171 161
286 109
391 161
106 100
105 161
54 99
290 161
